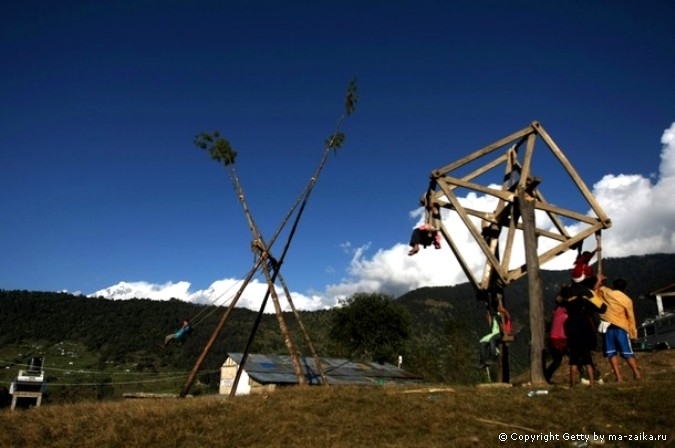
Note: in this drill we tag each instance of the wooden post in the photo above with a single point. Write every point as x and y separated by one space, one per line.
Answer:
535 290
598 247
504 371
218 329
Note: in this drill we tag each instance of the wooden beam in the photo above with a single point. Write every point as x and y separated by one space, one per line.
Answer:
483 151
556 221
452 182
491 235
564 212
480 214
527 163
574 175
510 237
472 229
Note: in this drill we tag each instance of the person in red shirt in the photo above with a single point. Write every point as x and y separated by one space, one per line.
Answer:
582 268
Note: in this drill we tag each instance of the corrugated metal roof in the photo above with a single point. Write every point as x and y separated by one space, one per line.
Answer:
278 369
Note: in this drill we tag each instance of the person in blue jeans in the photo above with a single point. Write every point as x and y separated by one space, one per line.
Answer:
619 328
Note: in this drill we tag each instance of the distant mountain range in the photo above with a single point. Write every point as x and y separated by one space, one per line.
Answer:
120 291
644 274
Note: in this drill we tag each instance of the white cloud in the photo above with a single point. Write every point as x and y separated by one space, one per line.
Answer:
393 271
643 215
643 221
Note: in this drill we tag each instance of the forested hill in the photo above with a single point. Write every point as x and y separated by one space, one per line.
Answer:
447 322
451 320
119 331
644 275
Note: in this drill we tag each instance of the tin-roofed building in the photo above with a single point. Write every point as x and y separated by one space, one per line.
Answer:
266 372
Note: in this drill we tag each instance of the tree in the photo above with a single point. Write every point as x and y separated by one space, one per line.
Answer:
370 326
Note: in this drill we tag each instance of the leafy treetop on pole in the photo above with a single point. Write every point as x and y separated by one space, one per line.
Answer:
336 140
219 148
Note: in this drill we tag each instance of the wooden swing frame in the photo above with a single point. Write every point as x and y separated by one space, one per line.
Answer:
517 201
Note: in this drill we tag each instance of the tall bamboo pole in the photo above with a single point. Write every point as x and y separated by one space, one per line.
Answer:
260 248
332 144
221 151
207 348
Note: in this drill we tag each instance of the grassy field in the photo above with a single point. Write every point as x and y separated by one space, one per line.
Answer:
384 416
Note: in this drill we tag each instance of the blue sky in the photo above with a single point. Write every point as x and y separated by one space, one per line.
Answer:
102 185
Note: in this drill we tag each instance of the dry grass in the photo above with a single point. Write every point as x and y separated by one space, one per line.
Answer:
360 416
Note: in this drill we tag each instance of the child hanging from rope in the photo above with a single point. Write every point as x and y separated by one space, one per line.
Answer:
183 332
426 234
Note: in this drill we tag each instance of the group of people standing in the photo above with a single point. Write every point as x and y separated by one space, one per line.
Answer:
584 308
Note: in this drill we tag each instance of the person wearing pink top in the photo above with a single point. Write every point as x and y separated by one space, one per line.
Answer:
557 341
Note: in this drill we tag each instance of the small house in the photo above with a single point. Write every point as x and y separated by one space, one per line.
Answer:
658 332
266 372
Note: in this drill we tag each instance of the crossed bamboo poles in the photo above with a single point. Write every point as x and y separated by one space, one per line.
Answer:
221 151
